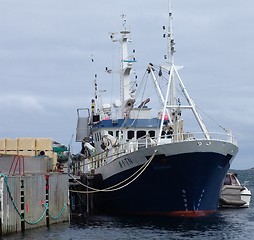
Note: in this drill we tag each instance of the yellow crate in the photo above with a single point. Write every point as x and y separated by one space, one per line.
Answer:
26 144
43 144
11 152
2 145
30 153
11 144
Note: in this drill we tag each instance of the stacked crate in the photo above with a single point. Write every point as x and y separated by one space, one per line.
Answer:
2 146
26 146
11 146
44 144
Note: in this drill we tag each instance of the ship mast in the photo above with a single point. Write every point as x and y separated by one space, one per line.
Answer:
171 102
170 57
126 95
171 42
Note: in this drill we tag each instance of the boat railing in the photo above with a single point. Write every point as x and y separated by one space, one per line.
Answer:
103 158
146 141
113 153
227 137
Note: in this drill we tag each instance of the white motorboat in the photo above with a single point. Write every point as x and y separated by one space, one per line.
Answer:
233 193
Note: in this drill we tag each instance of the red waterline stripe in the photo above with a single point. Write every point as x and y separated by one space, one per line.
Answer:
198 213
191 213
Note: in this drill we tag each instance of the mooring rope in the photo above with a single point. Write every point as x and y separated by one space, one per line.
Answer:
60 213
45 205
113 188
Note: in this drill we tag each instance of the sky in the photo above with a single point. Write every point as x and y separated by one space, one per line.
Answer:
46 72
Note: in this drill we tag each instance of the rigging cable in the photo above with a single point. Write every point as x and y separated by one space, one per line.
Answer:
211 119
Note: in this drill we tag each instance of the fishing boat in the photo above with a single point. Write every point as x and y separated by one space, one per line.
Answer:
151 162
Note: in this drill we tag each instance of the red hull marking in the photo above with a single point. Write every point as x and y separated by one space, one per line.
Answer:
191 213
179 213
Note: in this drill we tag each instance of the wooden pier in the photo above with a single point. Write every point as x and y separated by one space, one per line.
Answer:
32 201
32 192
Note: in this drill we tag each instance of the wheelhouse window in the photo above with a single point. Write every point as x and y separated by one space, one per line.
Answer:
110 133
96 137
130 134
151 134
141 134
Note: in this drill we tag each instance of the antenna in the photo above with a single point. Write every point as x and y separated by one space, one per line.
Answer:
170 37
123 16
95 101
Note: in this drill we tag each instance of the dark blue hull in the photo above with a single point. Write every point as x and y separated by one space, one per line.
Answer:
185 182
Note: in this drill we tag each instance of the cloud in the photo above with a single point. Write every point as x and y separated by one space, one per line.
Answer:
20 103
46 69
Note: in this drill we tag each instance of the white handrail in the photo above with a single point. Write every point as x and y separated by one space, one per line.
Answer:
104 158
